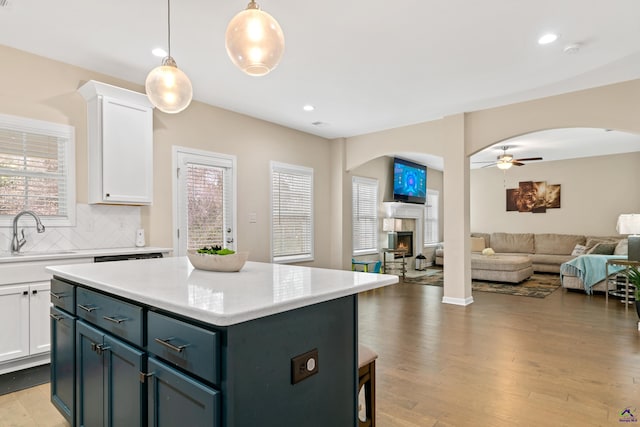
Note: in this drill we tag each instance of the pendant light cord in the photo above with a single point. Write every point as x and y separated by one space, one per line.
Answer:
168 27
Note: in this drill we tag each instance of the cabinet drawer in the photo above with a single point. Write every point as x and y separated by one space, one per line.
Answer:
63 295
117 317
189 347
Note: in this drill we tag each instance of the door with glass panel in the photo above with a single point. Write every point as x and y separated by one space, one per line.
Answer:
205 200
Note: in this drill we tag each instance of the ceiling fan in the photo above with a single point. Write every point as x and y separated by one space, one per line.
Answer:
505 161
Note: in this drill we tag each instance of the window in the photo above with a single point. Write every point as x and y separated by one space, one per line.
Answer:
37 170
431 225
291 213
364 194
205 200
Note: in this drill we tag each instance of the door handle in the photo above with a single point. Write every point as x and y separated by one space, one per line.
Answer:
117 320
56 317
88 308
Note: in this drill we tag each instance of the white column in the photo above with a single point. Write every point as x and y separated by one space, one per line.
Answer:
457 263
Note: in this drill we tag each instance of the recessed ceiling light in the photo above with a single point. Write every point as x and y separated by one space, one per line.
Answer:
308 108
548 38
159 52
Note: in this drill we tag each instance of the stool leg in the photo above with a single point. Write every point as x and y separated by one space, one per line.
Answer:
367 382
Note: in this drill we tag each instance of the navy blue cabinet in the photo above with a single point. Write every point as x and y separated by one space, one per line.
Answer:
109 390
177 400
63 357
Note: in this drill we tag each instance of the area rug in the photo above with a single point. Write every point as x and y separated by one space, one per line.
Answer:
537 286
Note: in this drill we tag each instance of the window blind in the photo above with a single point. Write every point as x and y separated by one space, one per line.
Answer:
291 213
364 194
205 205
36 170
431 224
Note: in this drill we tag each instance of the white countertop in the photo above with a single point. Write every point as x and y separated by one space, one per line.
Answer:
6 256
222 299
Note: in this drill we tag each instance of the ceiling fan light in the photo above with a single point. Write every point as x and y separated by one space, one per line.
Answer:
504 165
254 41
168 88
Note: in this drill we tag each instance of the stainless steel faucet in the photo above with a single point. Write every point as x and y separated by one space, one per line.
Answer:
17 243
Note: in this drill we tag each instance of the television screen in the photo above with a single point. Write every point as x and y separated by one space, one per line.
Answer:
409 181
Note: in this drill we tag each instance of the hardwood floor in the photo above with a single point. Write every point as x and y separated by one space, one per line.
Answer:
30 408
566 360
504 360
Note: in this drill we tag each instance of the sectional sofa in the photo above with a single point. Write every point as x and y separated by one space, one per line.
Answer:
547 251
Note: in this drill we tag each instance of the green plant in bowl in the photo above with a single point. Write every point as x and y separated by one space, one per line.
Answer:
216 250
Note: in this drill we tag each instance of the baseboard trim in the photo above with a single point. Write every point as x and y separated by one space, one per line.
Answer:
457 301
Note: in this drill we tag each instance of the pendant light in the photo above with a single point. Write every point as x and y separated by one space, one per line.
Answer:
254 40
168 88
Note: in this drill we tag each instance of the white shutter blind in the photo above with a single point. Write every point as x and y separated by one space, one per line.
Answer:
35 173
291 213
431 224
364 194
205 206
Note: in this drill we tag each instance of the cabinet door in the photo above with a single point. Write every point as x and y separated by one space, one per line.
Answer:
63 336
127 152
39 329
125 392
14 321
89 376
177 400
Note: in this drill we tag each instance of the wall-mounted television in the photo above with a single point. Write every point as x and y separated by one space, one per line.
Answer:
409 181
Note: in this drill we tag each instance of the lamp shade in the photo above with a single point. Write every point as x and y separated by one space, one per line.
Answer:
254 41
168 88
628 224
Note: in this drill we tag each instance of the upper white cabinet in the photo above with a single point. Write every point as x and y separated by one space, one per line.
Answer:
120 145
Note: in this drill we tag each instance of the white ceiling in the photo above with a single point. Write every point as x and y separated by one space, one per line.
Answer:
365 66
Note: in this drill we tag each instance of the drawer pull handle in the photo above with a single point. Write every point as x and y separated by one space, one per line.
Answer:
56 317
56 296
166 343
88 308
115 319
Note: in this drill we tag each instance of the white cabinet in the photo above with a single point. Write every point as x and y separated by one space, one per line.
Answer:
120 145
24 309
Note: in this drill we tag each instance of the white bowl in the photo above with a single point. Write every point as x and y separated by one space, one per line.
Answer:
231 262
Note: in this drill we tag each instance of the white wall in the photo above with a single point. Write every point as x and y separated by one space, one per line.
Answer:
594 191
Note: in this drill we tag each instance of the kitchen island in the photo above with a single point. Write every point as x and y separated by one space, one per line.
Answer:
156 342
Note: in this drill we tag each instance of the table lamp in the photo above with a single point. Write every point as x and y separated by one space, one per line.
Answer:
391 225
630 224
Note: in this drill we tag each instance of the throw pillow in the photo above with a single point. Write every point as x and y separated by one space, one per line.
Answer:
579 250
477 244
622 248
603 249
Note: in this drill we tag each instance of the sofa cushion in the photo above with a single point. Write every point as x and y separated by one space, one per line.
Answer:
512 242
477 244
550 259
557 244
622 248
579 250
603 249
485 236
594 240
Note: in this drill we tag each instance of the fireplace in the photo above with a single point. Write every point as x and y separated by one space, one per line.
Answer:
405 241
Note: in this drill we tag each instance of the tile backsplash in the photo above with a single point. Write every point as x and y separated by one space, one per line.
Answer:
97 227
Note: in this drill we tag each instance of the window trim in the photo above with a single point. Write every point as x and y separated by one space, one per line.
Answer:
25 124
293 169
364 181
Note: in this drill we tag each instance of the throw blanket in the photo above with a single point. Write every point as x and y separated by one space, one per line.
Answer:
591 269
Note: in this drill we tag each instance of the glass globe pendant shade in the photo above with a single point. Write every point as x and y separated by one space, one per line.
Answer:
254 41
504 165
168 88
